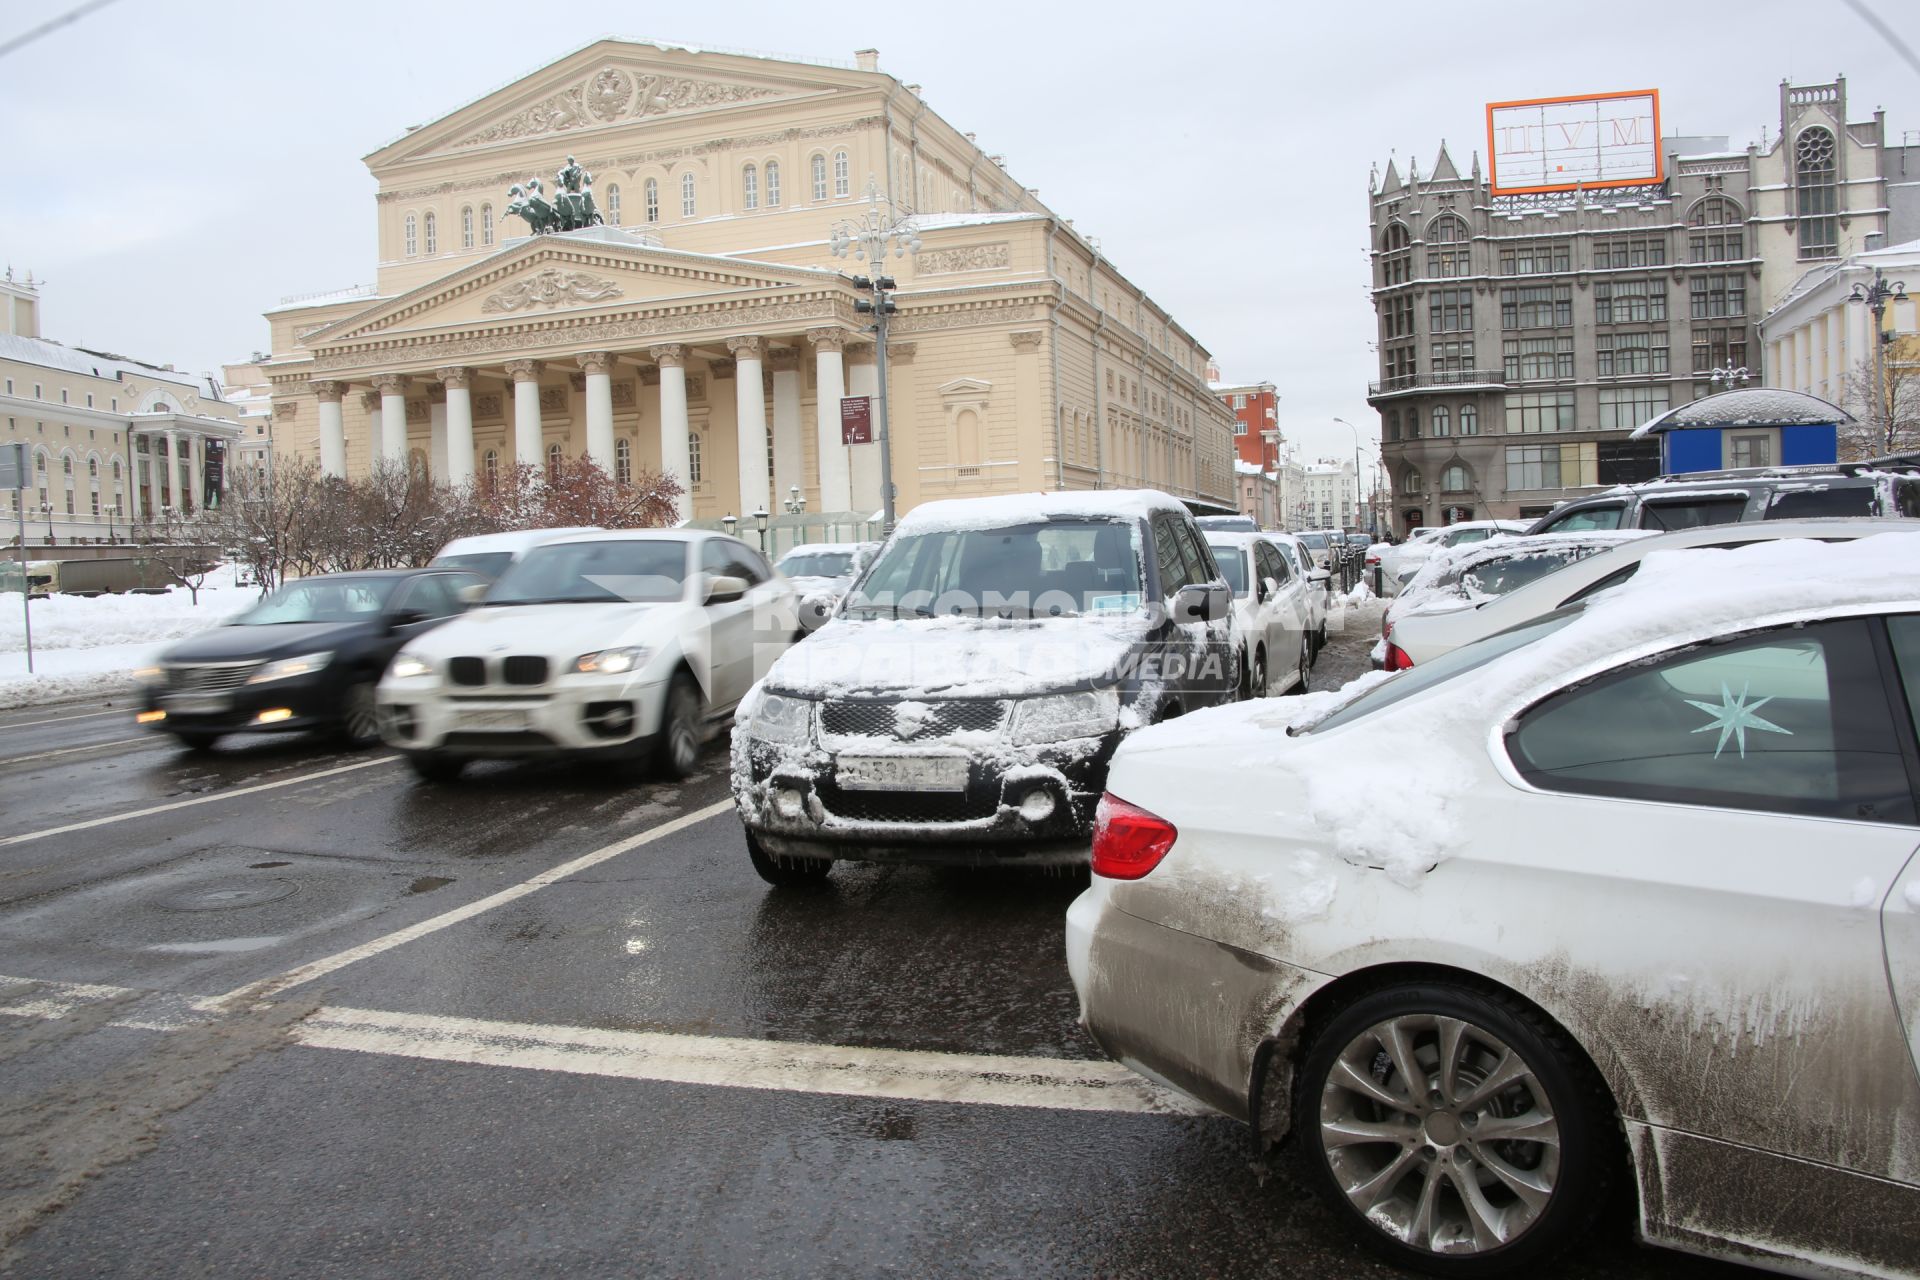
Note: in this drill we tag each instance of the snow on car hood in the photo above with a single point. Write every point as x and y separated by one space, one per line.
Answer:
560 631
956 657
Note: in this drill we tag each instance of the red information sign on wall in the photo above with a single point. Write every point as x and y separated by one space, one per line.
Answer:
856 420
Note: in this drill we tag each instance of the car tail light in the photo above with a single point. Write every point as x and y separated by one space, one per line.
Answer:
1128 841
1397 659
1386 626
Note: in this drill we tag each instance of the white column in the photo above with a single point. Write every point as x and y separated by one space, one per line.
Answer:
599 370
789 452
191 452
333 431
393 417
1859 346
173 470
459 445
672 359
370 402
835 486
437 433
863 380
750 412
526 413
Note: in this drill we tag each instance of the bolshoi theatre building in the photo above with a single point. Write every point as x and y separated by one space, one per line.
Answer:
703 328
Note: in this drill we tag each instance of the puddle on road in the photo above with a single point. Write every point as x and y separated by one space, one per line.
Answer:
262 866
427 884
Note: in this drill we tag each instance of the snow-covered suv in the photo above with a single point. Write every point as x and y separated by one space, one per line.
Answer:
963 703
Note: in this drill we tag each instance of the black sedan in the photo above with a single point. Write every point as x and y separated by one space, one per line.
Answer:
306 656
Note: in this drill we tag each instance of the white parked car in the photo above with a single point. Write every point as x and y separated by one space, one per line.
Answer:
1319 584
491 553
1649 910
1420 636
1272 613
821 572
1399 564
626 644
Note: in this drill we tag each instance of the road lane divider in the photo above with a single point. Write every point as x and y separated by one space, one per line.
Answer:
147 738
306 973
90 715
209 798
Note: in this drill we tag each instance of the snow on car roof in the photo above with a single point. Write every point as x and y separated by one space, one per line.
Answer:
1028 508
824 549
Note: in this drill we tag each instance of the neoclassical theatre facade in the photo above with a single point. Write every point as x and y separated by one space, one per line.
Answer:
704 327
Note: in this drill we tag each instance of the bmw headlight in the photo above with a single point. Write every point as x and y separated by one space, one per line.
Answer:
408 667
779 718
1056 717
611 662
287 668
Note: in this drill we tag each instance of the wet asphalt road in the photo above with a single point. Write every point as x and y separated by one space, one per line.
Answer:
439 1047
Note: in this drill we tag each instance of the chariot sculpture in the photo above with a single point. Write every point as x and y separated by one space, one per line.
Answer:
570 209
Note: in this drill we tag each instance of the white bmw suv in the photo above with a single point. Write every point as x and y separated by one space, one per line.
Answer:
631 644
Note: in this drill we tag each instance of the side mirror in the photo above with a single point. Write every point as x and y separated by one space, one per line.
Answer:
1319 577
405 618
1201 602
722 589
473 593
815 610
1219 601
1268 587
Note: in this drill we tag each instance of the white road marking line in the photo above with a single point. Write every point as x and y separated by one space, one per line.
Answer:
320 968
726 1062
148 738
24 837
91 715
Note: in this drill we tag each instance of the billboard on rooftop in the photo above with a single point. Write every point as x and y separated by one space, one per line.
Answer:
1593 140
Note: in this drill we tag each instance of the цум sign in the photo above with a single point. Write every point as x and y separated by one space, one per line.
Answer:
1557 144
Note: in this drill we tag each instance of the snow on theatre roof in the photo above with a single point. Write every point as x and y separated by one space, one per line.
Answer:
1750 407
1028 508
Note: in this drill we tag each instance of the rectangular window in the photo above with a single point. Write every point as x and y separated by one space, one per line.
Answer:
1452 358
1535 258
1533 466
1629 251
1623 355
1629 301
1450 311
1537 306
1535 358
1717 348
1716 246
1539 411
1624 408
1713 297
1750 449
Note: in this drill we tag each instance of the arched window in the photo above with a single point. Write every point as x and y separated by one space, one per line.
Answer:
1716 231
819 178
687 206
750 188
1410 481
66 463
466 226
490 469
433 236
413 235
1396 254
1449 247
693 458
1413 424
773 184
1454 479
842 174
1438 423
1815 203
623 460
555 457
613 205
1469 420
486 224
650 196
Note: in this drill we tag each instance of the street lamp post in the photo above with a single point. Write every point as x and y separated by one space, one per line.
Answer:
1357 481
868 238
46 509
760 523
796 501
1875 297
729 520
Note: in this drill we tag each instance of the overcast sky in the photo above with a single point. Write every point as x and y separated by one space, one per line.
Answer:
181 165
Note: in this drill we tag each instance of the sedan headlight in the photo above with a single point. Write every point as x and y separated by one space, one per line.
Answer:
150 675
408 667
611 662
779 718
1056 717
286 668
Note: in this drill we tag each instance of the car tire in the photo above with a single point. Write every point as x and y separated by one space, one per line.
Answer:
198 743
436 766
784 872
1257 675
359 717
1306 665
1408 1171
677 752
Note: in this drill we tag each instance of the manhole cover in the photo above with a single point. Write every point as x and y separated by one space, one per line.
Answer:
228 895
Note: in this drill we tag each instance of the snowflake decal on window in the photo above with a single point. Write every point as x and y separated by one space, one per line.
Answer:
1733 717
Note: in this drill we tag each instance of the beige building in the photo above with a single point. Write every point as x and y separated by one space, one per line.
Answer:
1819 341
707 331
100 430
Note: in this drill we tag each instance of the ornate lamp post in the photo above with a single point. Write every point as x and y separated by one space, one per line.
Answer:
112 512
729 520
796 501
760 518
1875 297
1727 377
867 238
46 509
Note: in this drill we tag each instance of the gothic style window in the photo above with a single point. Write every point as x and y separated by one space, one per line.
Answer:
650 196
486 224
1448 247
1396 255
1813 172
842 174
466 226
693 458
1410 482
623 460
1439 423
413 235
555 457
687 206
613 205
819 178
750 187
773 184
433 238
1454 479
1715 233
1469 420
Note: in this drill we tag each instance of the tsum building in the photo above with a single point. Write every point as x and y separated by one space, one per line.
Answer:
707 331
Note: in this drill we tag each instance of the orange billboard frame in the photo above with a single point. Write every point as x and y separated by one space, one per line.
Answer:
1659 152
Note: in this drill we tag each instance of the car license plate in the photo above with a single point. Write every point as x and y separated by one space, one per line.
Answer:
901 773
196 704
494 721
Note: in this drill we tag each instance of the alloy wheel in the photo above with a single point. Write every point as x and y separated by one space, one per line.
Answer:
362 722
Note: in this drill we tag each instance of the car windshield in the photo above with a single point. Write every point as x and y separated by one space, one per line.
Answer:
1443 668
1313 541
1497 575
1233 565
491 563
816 564
636 569
1046 568
321 600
